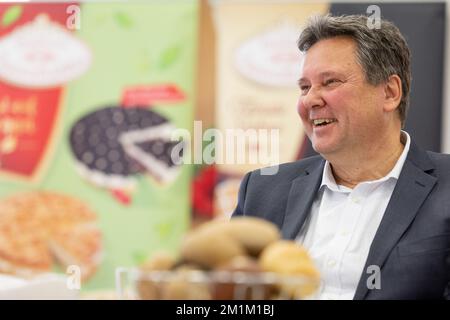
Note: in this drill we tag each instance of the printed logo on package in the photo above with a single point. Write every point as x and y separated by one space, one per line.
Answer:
271 58
38 59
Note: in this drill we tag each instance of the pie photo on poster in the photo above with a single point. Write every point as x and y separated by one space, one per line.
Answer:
39 229
113 145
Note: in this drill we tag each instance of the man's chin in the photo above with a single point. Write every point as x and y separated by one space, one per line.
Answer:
324 149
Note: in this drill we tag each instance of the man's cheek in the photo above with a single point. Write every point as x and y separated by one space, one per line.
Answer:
336 96
301 109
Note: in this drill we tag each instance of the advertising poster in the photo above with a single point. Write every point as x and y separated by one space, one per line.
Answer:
89 96
258 64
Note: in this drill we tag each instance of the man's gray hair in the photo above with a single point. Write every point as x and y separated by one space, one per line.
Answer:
381 52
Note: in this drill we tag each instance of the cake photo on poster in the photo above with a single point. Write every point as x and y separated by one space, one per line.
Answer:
40 230
39 56
42 54
114 144
269 58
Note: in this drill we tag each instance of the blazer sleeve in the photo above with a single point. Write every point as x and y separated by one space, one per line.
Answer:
239 211
446 294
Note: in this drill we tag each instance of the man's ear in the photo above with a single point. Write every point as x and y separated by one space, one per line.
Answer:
392 93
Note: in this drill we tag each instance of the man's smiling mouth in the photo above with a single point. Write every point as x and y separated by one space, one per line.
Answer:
322 122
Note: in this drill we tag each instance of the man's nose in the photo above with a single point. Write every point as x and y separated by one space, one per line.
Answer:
313 98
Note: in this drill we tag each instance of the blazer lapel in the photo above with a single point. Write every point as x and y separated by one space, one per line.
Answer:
301 196
413 187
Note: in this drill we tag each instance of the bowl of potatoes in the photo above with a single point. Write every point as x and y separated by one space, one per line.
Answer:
239 259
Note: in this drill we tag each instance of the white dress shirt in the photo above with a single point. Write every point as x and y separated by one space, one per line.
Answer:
342 225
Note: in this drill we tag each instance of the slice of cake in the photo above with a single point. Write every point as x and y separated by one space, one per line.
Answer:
161 157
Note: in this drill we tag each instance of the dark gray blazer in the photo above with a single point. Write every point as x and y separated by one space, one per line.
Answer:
412 243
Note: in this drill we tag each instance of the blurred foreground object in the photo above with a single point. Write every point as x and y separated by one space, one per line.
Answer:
242 259
43 287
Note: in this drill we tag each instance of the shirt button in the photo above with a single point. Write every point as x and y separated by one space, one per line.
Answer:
345 233
355 200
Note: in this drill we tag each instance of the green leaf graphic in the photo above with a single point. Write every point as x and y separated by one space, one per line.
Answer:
123 20
11 15
169 56
139 257
164 229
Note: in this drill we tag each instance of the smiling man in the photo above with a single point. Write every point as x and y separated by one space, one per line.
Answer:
373 208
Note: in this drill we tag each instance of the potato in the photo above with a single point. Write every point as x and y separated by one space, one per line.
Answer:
181 287
209 248
159 261
146 288
289 258
253 233
224 289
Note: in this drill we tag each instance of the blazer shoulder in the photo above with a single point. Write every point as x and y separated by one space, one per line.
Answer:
266 190
288 171
439 158
441 163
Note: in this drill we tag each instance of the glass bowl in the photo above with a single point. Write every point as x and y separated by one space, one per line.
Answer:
133 283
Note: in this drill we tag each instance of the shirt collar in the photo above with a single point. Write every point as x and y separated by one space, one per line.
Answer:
329 181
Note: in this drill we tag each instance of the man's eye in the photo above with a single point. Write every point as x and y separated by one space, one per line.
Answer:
331 81
304 89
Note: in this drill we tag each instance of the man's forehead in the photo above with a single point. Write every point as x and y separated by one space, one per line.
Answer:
331 50
329 57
